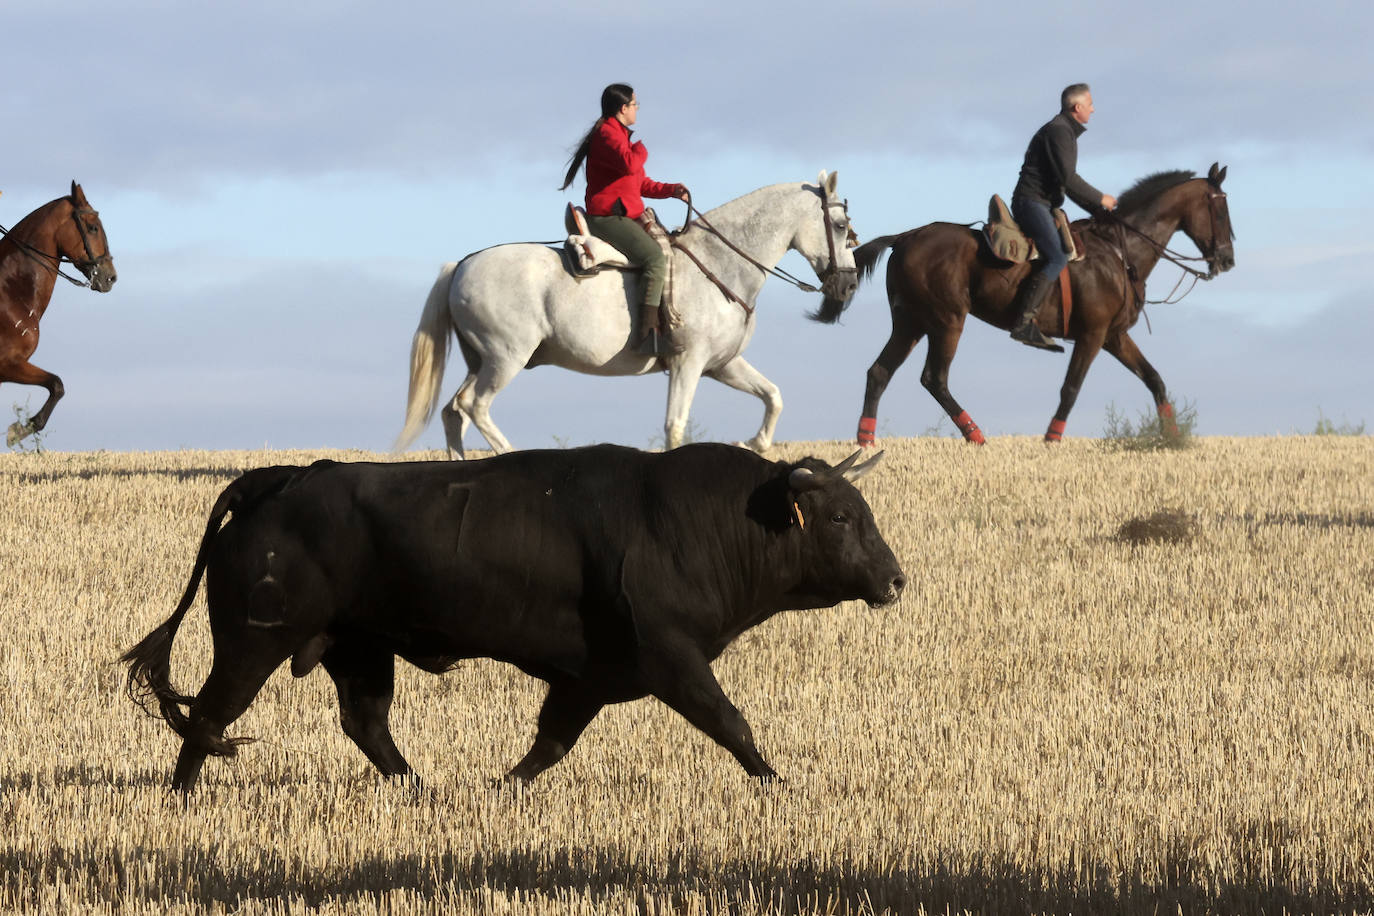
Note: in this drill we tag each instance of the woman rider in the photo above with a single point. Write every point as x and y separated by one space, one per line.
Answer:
616 186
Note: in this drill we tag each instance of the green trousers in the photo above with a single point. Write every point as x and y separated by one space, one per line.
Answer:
630 239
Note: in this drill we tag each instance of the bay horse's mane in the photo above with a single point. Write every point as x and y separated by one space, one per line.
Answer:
1148 188
36 216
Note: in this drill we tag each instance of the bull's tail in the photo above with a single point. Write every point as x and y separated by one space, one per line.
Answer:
428 356
865 259
150 661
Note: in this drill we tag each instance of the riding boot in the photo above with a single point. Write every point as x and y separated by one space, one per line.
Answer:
657 337
1027 306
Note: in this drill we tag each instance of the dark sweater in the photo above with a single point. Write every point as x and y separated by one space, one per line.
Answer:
1050 168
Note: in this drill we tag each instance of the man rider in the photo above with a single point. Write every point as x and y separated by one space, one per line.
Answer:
1047 174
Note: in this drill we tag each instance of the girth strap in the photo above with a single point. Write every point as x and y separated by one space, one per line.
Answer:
1065 297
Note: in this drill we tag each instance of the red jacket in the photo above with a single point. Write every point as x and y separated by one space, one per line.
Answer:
615 171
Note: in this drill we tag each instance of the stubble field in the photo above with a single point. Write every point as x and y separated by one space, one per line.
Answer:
1050 720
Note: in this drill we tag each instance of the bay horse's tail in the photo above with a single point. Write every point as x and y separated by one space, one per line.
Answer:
150 661
428 356
865 259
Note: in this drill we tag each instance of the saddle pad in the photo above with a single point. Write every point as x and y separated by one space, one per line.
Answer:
588 254
585 254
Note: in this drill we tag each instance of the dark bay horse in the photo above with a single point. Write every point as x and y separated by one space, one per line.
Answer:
942 272
31 254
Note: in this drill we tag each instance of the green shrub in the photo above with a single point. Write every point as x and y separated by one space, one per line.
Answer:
1326 427
1152 432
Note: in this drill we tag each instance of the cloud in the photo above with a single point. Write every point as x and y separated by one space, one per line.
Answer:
159 94
280 183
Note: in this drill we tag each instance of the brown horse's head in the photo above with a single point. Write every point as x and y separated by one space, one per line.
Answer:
1208 224
81 240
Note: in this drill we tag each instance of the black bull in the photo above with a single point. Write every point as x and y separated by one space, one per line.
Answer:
610 573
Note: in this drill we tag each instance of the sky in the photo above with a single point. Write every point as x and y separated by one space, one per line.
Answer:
280 184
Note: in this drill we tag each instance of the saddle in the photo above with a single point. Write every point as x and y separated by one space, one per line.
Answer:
1007 242
585 255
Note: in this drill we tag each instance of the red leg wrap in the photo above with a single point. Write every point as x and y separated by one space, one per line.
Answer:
867 427
970 429
1055 432
1166 414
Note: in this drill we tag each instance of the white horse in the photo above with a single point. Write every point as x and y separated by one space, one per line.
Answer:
516 306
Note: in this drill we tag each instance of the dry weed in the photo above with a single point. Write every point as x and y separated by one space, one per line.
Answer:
1171 526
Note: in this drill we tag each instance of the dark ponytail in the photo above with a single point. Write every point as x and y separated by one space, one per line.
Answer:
613 98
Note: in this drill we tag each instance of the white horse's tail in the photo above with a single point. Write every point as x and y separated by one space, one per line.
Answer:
428 356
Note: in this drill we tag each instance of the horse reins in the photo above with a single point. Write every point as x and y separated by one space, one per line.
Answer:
778 272
44 258
1176 258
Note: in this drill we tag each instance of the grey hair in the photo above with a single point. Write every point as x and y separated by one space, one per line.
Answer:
1070 96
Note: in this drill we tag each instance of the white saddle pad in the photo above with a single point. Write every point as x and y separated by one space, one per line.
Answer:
595 254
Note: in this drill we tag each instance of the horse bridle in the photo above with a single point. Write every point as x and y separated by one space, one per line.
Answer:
92 260
1216 199
831 269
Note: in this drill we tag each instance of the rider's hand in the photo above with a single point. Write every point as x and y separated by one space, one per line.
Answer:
683 193
1108 202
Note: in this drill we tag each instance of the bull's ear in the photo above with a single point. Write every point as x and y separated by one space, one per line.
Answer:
854 473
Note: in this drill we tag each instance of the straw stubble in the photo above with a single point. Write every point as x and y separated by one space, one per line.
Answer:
1054 718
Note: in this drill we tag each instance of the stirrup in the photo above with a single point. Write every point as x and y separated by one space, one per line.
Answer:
656 344
1030 335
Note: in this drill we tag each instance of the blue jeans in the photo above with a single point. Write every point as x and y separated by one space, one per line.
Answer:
1036 220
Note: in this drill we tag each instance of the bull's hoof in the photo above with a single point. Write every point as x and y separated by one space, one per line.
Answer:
512 785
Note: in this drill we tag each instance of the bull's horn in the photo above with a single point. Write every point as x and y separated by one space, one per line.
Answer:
802 479
852 474
842 469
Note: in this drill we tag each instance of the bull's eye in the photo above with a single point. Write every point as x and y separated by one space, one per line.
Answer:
839 518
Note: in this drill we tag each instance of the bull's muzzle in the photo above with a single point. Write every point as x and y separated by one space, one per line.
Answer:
894 591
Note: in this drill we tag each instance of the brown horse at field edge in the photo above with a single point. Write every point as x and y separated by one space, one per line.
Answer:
942 272
31 254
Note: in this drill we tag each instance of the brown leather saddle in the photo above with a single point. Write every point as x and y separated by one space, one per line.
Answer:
1007 242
